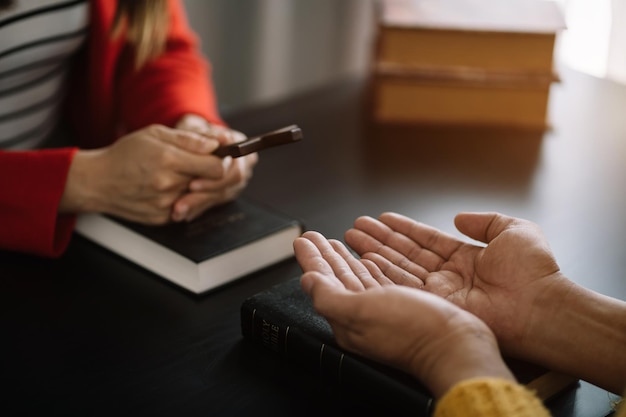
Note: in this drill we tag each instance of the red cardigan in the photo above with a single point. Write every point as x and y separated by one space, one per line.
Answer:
105 93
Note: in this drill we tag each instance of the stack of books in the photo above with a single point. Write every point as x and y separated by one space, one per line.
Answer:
465 62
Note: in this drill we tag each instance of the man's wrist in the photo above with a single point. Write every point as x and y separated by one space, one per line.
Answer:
475 355
484 365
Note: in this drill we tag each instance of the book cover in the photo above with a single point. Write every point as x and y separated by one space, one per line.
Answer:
223 244
282 319
511 36
514 16
418 98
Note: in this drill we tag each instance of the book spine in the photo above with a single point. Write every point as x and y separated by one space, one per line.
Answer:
332 365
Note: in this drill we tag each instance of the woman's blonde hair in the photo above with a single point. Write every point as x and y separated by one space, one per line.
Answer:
145 23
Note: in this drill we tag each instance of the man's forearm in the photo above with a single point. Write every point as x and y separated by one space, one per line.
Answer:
585 337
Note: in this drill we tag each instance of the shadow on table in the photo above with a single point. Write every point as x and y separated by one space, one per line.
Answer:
467 154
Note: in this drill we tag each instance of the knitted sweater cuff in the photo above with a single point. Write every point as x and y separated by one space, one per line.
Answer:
487 397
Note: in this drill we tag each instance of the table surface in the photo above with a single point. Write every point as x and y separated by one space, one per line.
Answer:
92 334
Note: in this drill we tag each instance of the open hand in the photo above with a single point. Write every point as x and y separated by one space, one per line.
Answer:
413 330
501 282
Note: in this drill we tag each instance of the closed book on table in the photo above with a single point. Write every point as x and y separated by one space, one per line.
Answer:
225 243
465 62
464 98
492 35
282 320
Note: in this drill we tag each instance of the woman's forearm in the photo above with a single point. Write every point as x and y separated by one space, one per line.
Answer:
80 188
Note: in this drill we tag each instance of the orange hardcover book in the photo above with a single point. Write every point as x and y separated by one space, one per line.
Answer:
495 35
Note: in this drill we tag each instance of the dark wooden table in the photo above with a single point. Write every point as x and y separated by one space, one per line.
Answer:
91 334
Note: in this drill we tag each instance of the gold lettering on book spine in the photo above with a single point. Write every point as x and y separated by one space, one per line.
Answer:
270 335
265 333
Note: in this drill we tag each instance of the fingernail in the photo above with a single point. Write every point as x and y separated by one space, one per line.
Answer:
180 213
195 186
209 144
226 162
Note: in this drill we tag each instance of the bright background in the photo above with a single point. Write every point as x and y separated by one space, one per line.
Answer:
595 41
264 50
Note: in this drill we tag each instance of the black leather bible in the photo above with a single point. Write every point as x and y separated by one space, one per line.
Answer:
225 243
282 320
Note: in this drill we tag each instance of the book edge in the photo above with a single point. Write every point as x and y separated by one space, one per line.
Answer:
248 258
547 17
168 264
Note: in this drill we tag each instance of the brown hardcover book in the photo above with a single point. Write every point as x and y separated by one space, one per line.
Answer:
495 35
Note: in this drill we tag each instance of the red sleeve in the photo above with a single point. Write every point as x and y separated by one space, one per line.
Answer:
175 83
31 185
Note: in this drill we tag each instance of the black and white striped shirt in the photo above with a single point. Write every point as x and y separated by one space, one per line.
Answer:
37 39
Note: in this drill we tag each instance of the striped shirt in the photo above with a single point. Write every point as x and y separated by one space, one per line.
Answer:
37 40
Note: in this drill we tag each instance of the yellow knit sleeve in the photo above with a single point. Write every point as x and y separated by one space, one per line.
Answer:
620 407
489 397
